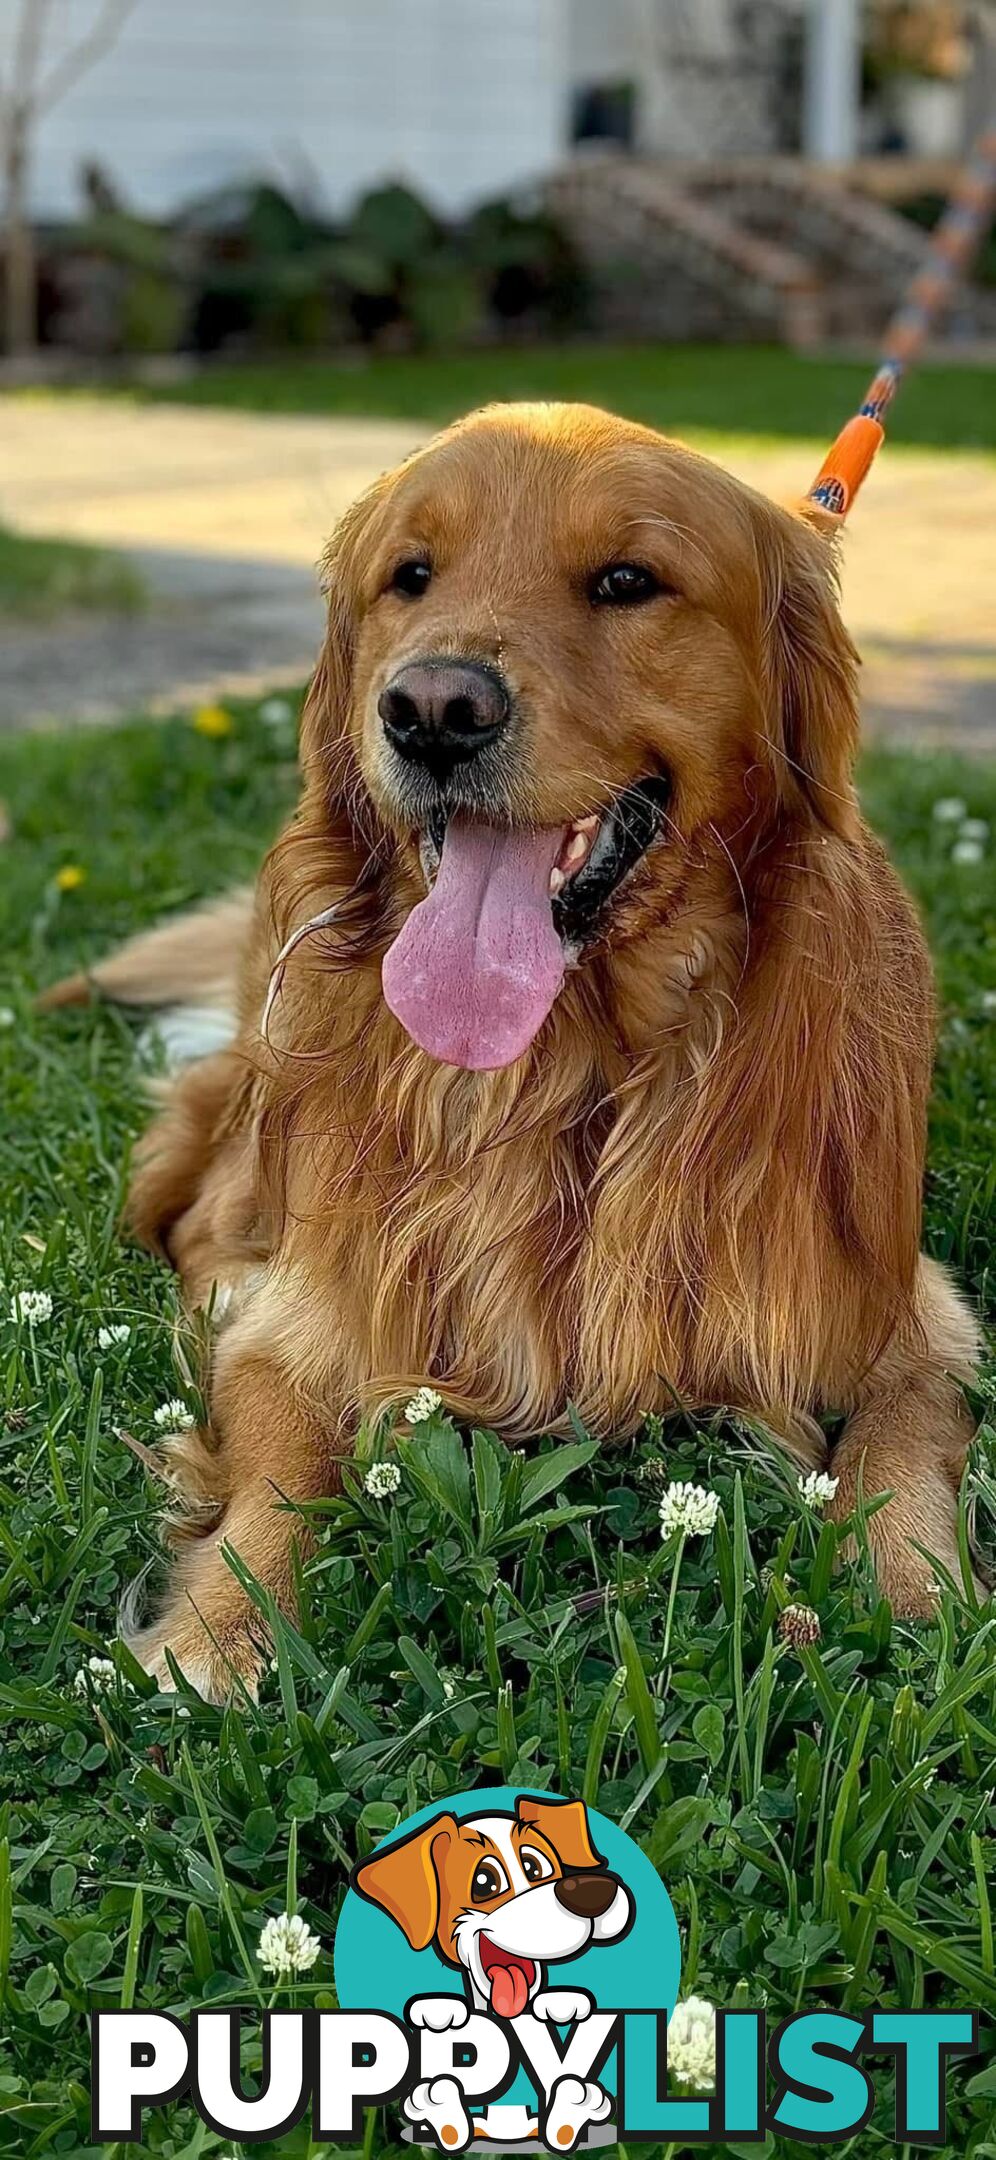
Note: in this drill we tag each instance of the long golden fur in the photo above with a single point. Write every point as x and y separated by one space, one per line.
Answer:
703 1180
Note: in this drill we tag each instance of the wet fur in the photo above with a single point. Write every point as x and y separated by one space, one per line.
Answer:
704 1179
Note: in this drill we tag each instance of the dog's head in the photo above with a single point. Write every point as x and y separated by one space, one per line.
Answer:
501 1895
564 654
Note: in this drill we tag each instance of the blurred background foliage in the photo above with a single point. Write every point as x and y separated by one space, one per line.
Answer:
249 269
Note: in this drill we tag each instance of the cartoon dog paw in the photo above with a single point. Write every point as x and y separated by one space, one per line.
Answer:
439 2102
574 2104
562 2006
438 2013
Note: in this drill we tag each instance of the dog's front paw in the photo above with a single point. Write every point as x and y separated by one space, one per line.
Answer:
438 2013
562 2006
439 2102
574 2104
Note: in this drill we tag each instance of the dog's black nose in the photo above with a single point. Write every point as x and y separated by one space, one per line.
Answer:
439 713
587 1896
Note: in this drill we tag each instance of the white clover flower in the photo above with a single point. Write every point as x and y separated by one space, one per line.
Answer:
8 1016
974 828
691 2043
287 1946
173 1416
381 1479
31 1305
967 851
817 1488
987 1001
423 1406
688 1508
274 711
108 1336
950 810
98 1674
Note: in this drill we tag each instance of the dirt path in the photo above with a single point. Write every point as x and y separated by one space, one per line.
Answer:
227 514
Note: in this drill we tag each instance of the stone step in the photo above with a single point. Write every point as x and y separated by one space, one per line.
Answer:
626 215
759 247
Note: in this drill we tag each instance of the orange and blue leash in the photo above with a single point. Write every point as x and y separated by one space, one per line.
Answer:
952 246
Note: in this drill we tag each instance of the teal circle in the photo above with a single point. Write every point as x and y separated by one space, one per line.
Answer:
377 1969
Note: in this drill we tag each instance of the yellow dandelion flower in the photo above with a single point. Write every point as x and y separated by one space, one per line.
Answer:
213 720
70 877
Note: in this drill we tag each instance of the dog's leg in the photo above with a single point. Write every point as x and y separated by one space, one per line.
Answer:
203 1114
267 1446
909 1436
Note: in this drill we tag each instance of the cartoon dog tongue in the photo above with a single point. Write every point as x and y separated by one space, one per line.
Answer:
476 968
509 1990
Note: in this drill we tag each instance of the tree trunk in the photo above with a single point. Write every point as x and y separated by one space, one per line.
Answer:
20 313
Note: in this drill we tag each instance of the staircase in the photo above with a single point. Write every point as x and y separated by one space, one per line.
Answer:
772 249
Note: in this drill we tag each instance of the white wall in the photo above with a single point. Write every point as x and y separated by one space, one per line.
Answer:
462 98
605 42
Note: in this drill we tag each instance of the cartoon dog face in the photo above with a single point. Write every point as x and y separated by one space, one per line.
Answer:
501 1895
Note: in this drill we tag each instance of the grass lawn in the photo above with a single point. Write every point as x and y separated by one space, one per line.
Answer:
42 578
823 1818
685 389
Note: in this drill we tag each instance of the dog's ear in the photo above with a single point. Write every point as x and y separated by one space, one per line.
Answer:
809 667
327 703
403 1880
564 1824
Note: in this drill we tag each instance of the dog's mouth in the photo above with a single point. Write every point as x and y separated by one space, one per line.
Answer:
509 1977
475 970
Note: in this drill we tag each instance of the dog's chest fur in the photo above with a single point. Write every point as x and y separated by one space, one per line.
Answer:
492 1232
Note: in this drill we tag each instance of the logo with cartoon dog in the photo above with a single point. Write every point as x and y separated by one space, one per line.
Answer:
509 1929
507 1966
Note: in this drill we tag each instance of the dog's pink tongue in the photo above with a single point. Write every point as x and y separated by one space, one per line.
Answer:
509 1993
478 964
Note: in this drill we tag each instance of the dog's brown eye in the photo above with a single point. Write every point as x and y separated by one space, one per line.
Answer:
622 584
488 1881
535 1865
411 578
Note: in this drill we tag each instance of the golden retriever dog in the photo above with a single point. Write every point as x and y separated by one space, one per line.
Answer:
595 1060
